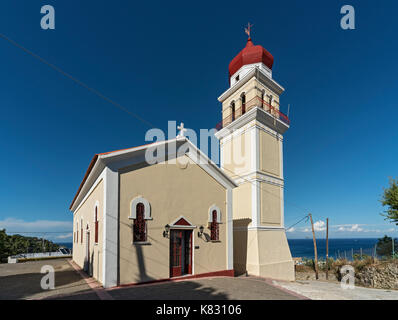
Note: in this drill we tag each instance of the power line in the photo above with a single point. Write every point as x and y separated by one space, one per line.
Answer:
82 84
100 95
305 217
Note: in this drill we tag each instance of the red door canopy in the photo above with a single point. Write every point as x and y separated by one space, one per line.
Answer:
182 222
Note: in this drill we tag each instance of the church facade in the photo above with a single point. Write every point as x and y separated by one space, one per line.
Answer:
135 221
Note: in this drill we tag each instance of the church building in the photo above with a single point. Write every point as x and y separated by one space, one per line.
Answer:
136 221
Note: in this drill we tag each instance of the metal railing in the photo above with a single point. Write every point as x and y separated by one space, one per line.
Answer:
255 102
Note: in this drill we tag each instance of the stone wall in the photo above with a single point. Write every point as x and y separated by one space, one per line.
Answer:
383 275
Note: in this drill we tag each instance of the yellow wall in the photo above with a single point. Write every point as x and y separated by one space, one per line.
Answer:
270 204
242 205
86 212
172 192
269 154
237 155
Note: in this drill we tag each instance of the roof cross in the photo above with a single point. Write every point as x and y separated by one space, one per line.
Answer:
181 134
248 29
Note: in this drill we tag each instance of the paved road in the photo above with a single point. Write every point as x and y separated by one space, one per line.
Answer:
217 288
22 281
322 290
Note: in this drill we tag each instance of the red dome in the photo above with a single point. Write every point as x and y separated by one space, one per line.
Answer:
251 54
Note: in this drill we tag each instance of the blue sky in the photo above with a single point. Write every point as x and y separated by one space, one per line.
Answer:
168 61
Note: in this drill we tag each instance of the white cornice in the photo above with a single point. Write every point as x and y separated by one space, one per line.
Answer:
256 72
258 114
124 158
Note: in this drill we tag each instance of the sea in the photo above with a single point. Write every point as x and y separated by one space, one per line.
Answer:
338 248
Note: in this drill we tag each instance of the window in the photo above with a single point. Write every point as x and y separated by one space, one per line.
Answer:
262 98
237 78
96 224
81 230
233 111
214 227
139 227
243 97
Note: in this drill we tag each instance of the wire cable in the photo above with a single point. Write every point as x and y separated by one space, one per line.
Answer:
82 84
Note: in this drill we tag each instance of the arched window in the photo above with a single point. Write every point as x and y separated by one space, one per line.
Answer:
214 227
96 225
243 97
233 111
139 224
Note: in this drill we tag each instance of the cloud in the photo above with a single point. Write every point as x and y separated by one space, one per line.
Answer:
291 230
64 236
19 225
351 228
319 226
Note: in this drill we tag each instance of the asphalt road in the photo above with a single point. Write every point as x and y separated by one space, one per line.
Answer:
22 281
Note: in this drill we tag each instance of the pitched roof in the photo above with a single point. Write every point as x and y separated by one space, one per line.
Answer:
122 152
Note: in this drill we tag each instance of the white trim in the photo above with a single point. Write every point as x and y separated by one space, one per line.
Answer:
211 209
262 117
111 227
271 84
173 224
282 187
209 166
133 206
256 205
176 227
124 158
230 235
95 184
263 177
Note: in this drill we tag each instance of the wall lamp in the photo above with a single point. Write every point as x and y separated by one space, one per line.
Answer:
201 229
166 231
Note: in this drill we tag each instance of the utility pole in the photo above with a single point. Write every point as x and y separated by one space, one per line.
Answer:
315 250
393 251
327 248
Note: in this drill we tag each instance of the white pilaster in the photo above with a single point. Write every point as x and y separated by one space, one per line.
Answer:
110 263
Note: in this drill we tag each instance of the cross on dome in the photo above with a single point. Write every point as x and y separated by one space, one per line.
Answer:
181 134
248 29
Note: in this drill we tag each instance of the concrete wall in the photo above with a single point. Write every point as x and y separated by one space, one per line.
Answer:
86 213
172 191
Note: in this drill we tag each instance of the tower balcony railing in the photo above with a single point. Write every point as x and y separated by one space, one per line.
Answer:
255 102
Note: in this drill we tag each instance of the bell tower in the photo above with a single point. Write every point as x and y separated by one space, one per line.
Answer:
251 147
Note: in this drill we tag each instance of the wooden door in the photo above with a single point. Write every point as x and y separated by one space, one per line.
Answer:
188 252
176 238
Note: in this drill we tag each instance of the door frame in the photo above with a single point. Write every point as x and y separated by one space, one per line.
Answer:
183 224
185 231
